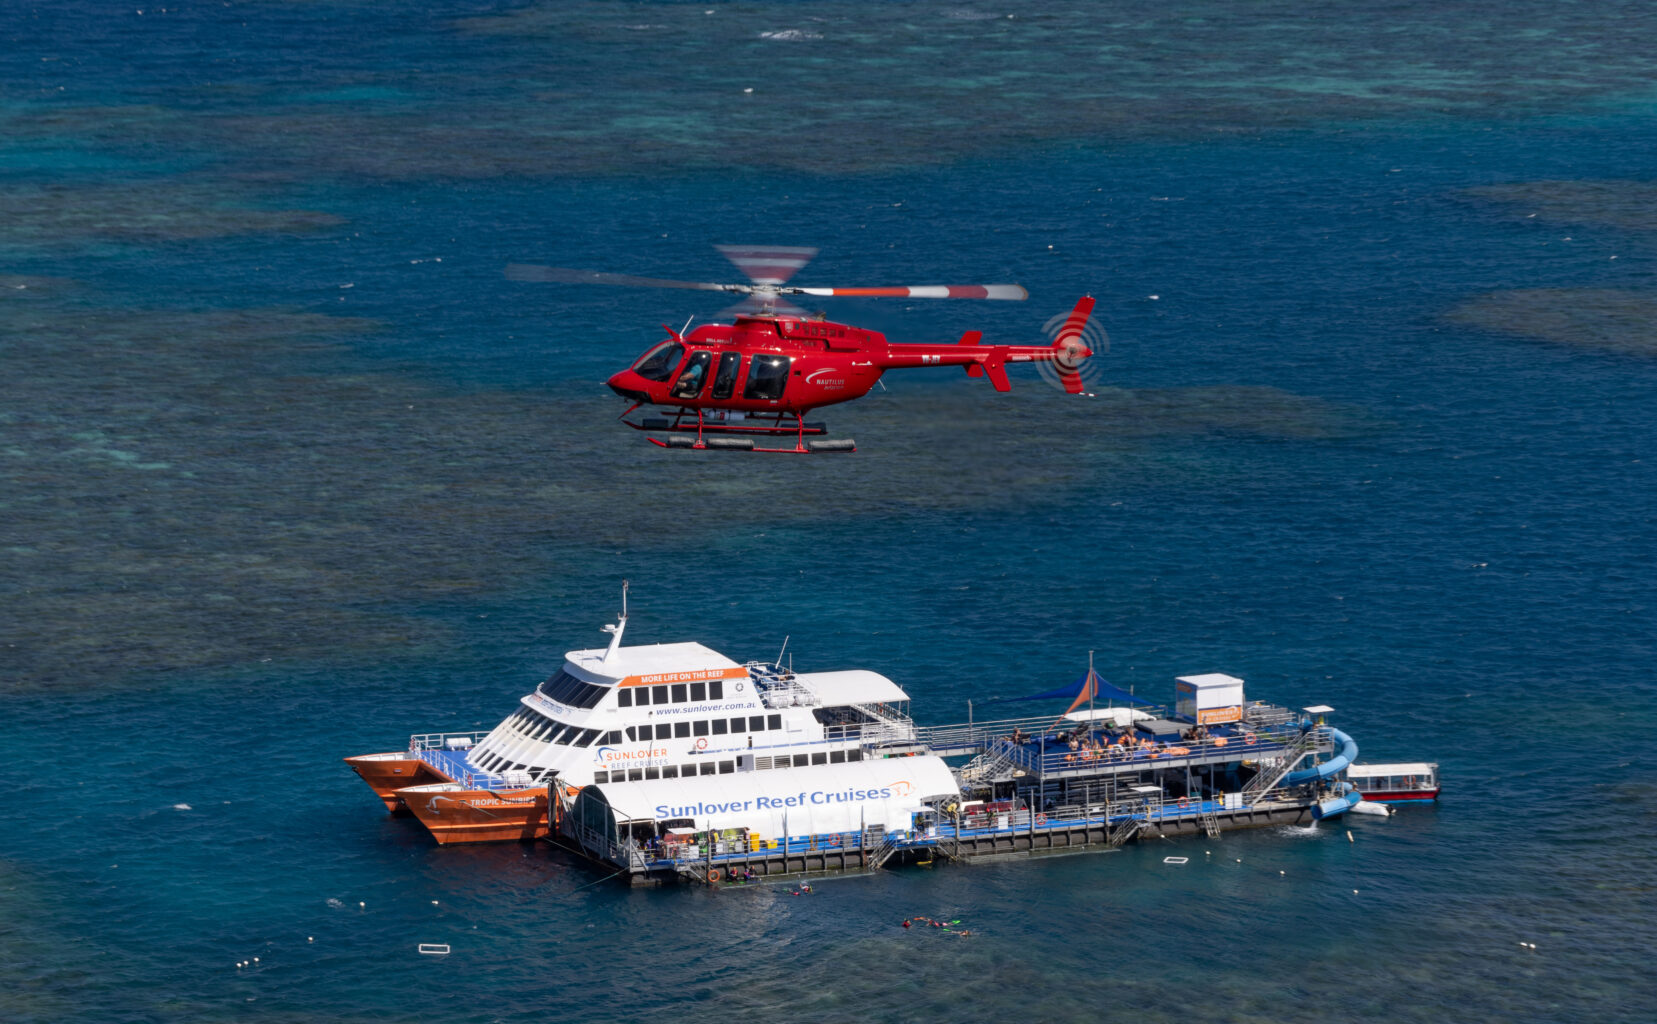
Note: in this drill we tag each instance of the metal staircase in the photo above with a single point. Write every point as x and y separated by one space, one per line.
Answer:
1124 831
1210 820
694 871
991 764
882 853
1268 778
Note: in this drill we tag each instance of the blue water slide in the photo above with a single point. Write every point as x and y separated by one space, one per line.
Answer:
1338 763
1336 805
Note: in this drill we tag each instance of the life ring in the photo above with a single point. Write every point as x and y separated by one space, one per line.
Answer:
1409 782
702 744
1041 819
714 875
1248 739
1184 802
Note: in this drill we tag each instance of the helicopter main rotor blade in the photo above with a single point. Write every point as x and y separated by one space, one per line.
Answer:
1008 292
768 264
566 275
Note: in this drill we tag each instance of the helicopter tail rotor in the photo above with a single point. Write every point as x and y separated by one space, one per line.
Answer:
1075 338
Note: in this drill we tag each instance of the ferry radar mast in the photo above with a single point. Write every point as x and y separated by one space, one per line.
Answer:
615 629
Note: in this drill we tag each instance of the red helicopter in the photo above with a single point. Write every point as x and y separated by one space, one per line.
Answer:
728 386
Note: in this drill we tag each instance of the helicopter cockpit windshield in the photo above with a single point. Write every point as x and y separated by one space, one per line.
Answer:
660 362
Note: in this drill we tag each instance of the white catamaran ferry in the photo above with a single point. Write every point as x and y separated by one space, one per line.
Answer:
634 714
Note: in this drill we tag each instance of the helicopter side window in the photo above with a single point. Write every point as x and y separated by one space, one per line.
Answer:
689 384
724 382
766 377
658 363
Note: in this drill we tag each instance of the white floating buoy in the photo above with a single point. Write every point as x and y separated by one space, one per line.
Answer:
255 959
360 903
434 903
1153 298
181 807
1283 872
310 938
749 89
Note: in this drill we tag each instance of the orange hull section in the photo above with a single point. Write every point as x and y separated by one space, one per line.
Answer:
386 775
481 816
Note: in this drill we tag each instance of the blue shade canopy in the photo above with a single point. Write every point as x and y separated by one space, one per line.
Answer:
1075 690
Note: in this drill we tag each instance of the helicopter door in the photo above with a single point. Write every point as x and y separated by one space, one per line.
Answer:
692 377
767 376
724 381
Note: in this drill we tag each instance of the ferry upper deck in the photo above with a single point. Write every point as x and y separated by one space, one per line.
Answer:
669 711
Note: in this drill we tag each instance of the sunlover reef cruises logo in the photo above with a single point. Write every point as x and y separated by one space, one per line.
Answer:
607 756
805 798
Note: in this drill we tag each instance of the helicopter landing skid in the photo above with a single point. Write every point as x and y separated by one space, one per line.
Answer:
686 421
695 431
727 443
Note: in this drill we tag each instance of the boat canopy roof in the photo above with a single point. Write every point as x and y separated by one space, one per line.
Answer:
854 686
1115 716
683 662
816 800
1370 771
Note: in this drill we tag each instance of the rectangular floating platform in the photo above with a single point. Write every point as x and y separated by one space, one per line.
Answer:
856 853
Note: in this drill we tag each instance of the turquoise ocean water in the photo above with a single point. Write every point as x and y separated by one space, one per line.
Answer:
289 471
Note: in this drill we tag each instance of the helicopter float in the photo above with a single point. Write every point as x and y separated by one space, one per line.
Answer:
749 385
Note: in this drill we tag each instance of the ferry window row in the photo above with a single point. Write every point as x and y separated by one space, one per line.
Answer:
566 689
672 771
703 727
532 725
671 693
686 771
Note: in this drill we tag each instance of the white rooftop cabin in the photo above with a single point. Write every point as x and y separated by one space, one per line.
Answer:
853 686
650 660
1378 771
1209 699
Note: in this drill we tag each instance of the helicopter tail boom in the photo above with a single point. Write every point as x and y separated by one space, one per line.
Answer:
1066 353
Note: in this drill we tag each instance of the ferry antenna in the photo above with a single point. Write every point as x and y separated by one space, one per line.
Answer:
615 631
